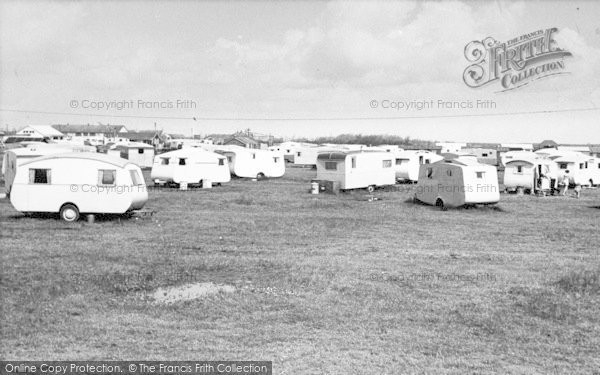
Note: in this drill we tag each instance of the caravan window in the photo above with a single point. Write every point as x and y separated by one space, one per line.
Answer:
429 172
39 176
140 150
253 156
353 161
164 161
181 161
276 159
426 161
387 164
221 161
421 159
299 153
449 172
135 177
229 159
331 165
400 161
484 154
519 169
562 166
479 174
106 176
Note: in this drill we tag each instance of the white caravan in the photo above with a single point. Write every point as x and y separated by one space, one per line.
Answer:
289 149
253 163
17 156
356 169
575 165
191 165
306 155
141 154
407 163
522 169
457 182
74 183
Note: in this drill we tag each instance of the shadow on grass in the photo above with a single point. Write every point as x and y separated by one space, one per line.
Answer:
470 207
560 301
583 282
55 217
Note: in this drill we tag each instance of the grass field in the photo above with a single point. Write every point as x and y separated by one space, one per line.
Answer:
324 284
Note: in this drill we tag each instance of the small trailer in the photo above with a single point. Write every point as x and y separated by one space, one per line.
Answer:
78 183
289 149
356 169
190 165
523 170
457 182
407 163
141 154
253 163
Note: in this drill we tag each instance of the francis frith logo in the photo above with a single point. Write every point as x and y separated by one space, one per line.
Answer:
514 63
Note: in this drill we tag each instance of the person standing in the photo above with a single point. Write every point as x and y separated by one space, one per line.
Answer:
565 183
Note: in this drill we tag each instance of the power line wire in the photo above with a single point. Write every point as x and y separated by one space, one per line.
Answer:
196 118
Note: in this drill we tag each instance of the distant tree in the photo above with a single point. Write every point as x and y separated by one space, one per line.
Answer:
371 139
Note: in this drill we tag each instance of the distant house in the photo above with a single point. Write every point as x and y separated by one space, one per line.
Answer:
243 141
93 134
517 146
150 137
41 131
595 150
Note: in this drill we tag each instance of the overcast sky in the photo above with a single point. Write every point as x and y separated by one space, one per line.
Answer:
300 60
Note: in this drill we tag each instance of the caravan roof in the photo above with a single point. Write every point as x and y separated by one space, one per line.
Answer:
571 157
123 145
84 155
187 152
523 156
341 155
462 160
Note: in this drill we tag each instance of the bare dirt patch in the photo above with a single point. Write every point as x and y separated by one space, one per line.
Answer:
189 292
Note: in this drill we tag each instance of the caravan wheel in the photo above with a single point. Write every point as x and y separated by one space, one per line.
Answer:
260 176
440 203
371 188
69 212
